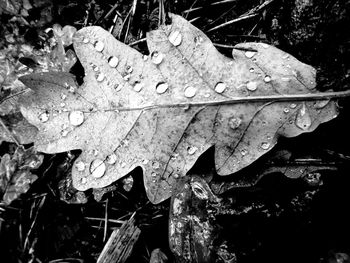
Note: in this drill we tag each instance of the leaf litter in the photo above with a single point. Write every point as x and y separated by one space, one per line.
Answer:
161 112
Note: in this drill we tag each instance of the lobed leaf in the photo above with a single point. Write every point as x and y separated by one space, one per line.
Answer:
162 111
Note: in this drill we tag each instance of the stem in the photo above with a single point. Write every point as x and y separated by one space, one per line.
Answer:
251 99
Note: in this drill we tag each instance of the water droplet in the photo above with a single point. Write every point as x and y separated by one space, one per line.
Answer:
234 122
127 77
154 174
285 56
85 40
129 69
117 87
198 40
83 180
244 152
80 165
175 38
112 158
251 70
44 117
252 85
64 132
155 165
321 104
206 95
190 91
62 104
71 89
220 87
176 176
250 54
267 78
191 150
285 110
303 120
96 68
157 57
99 46
145 57
76 118
138 86
265 145
123 164
97 168
161 87
113 61
264 45
63 96
100 77
292 106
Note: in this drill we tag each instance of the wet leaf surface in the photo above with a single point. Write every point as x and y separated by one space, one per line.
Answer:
162 111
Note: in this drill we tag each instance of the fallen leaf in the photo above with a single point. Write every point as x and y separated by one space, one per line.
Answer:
162 111
15 173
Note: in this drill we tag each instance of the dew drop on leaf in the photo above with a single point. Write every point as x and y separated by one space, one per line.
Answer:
117 87
80 165
100 77
234 122
112 158
267 78
154 174
96 68
321 104
265 145
244 152
99 46
129 69
285 110
44 117
157 57
85 40
175 38
113 61
176 176
64 132
252 85
198 40
292 106
97 168
138 86
190 91
251 70
155 165
161 87
249 54
83 180
76 118
145 57
220 87
191 150
303 120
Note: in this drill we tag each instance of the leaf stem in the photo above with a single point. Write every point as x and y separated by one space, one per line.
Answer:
251 99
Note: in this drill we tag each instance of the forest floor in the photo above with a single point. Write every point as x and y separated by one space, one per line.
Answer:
52 222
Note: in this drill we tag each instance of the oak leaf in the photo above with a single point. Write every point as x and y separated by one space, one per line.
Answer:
162 111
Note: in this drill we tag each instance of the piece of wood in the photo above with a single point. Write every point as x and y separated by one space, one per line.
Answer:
120 243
